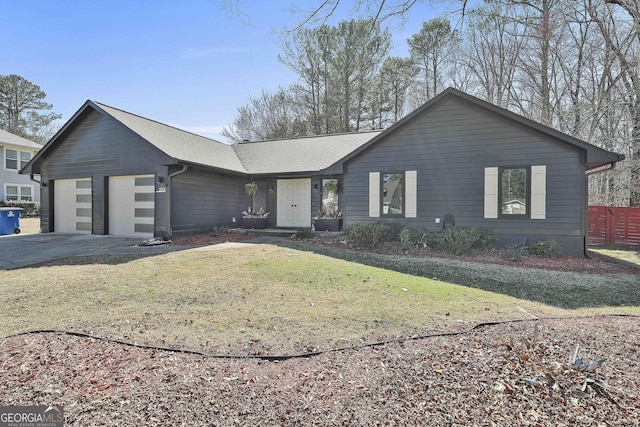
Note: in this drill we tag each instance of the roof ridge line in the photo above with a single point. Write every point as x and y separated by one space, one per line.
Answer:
100 104
310 136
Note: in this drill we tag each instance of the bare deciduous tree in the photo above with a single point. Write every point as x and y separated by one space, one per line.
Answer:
631 6
270 116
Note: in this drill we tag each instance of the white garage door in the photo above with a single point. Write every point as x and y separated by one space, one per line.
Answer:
294 202
72 206
132 205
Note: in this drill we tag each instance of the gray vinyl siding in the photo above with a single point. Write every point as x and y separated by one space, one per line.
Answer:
97 148
449 146
202 200
12 177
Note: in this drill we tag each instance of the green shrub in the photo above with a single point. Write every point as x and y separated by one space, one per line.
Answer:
514 252
418 237
487 237
545 248
30 209
461 241
457 241
368 235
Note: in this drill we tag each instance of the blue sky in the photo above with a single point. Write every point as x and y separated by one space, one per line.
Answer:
186 63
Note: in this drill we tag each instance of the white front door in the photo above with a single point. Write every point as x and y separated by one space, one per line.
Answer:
132 205
294 202
72 212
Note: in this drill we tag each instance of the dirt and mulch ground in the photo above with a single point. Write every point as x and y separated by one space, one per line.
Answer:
497 375
517 373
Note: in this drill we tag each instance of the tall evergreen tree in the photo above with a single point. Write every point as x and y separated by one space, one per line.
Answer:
20 104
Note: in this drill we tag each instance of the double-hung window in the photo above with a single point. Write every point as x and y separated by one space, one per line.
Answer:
18 193
15 159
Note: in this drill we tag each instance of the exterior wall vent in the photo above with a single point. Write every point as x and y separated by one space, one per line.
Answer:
448 221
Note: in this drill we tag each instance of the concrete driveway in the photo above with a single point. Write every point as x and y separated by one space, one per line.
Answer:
22 250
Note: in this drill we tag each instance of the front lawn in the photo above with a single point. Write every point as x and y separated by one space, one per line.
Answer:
265 299
631 255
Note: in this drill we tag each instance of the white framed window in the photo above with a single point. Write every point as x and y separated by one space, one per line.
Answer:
16 159
18 193
515 192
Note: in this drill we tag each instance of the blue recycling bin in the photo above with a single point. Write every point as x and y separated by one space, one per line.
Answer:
10 220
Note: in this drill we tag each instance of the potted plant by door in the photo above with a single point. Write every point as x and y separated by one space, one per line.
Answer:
252 219
328 221
329 218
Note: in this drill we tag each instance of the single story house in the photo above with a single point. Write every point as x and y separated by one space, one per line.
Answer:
15 153
112 172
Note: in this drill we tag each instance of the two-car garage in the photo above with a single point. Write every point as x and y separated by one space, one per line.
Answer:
130 205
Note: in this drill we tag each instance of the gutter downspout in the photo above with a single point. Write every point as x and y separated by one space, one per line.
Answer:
35 180
40 186
608 166
170 185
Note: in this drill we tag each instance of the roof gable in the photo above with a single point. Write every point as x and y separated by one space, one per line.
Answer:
596 156
296 155
179 144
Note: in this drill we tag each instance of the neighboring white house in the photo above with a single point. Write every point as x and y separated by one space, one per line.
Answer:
15 153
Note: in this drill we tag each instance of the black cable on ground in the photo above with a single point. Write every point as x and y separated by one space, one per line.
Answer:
275 358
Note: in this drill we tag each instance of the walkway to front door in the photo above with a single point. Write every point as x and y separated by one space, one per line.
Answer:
294 202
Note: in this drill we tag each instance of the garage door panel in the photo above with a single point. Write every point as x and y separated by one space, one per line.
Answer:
72 208
132 205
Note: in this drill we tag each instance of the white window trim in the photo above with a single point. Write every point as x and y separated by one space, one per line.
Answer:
18 159
20 187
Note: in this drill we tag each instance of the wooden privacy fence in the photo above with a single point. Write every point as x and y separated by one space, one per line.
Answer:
614 226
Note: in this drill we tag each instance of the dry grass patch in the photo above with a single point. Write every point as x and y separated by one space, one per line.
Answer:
29 225
257 300
625 254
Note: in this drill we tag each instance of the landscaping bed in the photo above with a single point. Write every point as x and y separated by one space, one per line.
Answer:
596 263
507 374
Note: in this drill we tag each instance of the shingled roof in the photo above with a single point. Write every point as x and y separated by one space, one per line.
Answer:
18 141
295 155
181 145
308 154
314 154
